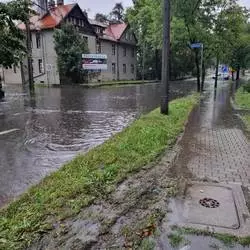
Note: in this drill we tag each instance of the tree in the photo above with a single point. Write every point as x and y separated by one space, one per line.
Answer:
12 46
69 47
240 56
118 12
101 17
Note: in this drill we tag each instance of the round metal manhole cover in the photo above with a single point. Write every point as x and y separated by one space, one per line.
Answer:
209 203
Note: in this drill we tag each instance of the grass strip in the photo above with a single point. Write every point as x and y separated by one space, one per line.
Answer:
227 239
242 98
91 176
246 119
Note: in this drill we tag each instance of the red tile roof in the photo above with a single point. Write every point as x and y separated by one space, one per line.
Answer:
50 20
114 32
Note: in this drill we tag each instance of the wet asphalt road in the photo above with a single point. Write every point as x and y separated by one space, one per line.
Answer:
40 133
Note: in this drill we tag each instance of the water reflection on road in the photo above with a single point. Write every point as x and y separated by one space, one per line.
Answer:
57 123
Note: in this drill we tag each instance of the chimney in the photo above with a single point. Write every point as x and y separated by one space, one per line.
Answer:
51 4
60 2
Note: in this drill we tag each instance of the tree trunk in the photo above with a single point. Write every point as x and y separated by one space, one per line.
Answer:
203 76
197 62
1 91
238 74
232 75
216 72
156 64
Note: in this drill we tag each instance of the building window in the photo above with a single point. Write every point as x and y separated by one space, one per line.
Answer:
98 47
124 68
132 68
124 51
131 37
40 66
126 36
98 30
85 38
133 52
113 68
113 49
38 40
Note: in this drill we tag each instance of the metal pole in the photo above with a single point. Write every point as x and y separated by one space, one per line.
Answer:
165 58
202 51
143 62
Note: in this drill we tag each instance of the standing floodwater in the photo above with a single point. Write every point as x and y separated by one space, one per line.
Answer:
40 133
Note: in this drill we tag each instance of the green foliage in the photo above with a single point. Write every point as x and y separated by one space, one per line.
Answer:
242 97
246 120
227 239
175 239
91 176
240 57
70 46
217 24
12 39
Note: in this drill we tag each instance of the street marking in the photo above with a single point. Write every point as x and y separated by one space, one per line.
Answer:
8 131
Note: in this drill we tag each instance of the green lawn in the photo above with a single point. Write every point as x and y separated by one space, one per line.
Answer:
242 99
91 176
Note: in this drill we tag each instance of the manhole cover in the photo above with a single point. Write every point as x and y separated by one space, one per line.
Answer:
210 206
209 203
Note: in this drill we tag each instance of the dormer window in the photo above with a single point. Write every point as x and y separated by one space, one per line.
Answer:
98 30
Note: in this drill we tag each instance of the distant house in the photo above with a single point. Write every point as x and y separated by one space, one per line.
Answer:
119 43
115 40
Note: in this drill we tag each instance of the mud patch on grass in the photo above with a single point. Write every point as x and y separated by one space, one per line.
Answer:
130 216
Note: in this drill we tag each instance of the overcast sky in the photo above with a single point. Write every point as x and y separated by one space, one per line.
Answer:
102 6
105 6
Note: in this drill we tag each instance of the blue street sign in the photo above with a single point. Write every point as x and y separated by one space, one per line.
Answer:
225 69
196 45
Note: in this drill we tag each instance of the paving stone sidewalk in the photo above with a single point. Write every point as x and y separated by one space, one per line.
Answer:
214 145
214 148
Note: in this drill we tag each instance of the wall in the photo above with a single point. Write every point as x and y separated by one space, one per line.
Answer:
119 60
47 53
107 49
127 60
10 76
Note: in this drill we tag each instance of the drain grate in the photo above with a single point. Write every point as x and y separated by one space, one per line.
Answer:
209 203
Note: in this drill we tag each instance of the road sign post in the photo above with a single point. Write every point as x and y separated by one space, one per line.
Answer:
165 58
199 46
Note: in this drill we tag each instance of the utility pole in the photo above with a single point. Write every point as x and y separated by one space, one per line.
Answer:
165 58
29 52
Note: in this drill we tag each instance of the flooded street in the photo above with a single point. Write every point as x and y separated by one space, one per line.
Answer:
40 133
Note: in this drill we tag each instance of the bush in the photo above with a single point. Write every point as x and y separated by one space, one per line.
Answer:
246 87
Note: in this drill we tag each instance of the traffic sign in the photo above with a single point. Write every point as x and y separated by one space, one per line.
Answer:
196 45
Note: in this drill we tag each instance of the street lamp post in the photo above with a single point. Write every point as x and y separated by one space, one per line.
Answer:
165 58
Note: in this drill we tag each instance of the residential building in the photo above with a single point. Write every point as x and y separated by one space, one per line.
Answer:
119 43
115 40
